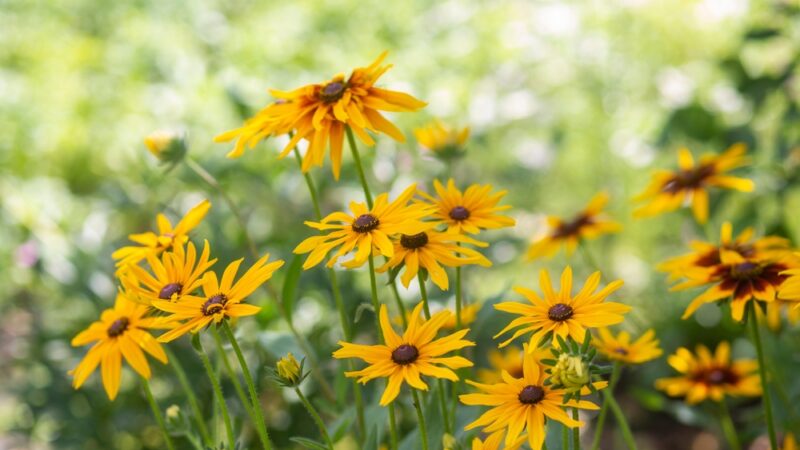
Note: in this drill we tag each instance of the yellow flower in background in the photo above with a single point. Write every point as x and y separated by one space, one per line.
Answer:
774 313
508 360
469 212
522 405
430 250
669 190
789 442
221 298
561 312
495 442
120 332
177 273
365 231
620 348
151 243
706 376
442 140
706 254
406 358
320 113
468 315
790 289
588 224
167 146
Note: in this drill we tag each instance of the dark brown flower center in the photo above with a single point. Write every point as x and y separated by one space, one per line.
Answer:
214 304
169 290
560 312
531 395
688 179
118 327
365 223
332 92
716 376
413 241
746 270
459 213
573 227
405 354
621 351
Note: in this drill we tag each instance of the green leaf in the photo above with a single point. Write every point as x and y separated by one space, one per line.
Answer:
289 292
309 443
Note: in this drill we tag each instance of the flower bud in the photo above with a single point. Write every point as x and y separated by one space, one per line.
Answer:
570 372
289 370
167 146
173 412
449 441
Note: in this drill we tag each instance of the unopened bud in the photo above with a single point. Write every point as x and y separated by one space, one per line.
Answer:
167 146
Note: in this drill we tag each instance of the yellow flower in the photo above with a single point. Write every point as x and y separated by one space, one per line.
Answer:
366 230
289 369
468 212
790 289
221 298
774 314
320 113
177 273
706 254
167 146
561 312
789 442
150 243
522 405
405 358
670 190
441 139
705 376
509 360
430 250
468 315
495 440
620 348
120 332
588 224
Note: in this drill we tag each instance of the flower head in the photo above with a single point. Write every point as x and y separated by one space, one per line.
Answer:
588 224
620 348
366 230
703 375
122 331
221 298
289 372
669 190
442 140
522 404
470 212
561 312
320 113
405 358
167 146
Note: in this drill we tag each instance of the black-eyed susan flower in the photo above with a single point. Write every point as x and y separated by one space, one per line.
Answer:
776 309
365 231
150 243
588 224
468 315
561 312
176 273
620 348
669 190
442 140
319 113
430 250
470 212
495 442
404 359
222 298
507 360
522 405
122 331
706 376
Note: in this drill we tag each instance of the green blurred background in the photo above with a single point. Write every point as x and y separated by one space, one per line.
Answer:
564 98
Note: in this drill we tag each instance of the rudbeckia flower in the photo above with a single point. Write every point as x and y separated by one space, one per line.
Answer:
406 358
365 230
320 113
523 404
620 348
221 298
122 331
588 224
561 312
509 360
775 312
151 243
470 212
706 376
669 190
442 140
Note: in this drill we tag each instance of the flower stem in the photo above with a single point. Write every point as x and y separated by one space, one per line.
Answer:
622 423
440 389
197 413
728 428
762 369
157 413
237 385
576 432
317 419
357 159
248 379
564 437
423 431
400 307
226 418
601 418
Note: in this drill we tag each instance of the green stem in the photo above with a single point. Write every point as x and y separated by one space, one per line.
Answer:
400 306
226 418
622 423
393 442
576 432
564 437
728 427
248 379
197 413
762 369
423 431
601 418
157 412
226 365
373 284
317 419
440 388
359 167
